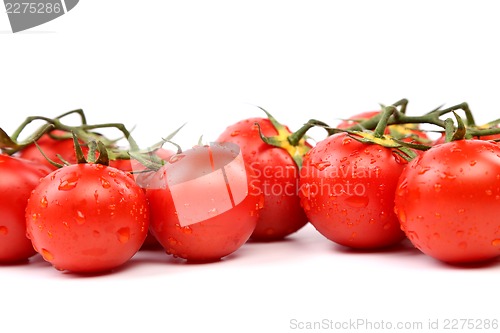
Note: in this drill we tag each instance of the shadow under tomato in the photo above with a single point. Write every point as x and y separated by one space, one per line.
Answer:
486 264
404 247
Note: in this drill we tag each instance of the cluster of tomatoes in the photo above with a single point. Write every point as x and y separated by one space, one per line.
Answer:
375 180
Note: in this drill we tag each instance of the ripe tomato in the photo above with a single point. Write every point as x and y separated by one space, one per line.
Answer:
130 165
203 206
347 191
17 179
51 148
406 132
87 218
276 175
448 201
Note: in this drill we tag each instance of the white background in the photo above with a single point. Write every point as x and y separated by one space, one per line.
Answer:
158 64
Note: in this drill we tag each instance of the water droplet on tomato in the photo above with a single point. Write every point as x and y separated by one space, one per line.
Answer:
68 183
462 245
96 233
399 159
455 149
96 196
50 234
496 242
371 221
47 255
383 215
3 230
461 211
105 183
306 205
402 188
460 233
44 202
488 192
65 224
436 235
123 235
387 226
112 206
357 201
412 235
423 170
472 163
235 133
343 211
437 215
80 217
262 200
112 174
346 141
321 165
402 215
213 212
172 241
437 187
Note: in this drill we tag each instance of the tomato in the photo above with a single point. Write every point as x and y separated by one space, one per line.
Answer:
448 201
17 179
203 206
406 132
130 165
87 218
347 191
51 148
276 175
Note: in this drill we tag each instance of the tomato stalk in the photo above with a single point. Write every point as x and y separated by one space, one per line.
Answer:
294 143
11 145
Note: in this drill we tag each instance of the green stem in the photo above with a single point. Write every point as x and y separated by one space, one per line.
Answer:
295 137
133 145
387 112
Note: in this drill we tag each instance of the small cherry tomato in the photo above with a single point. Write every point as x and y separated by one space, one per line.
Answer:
87 218
18 178
203 206
276 174
448 201
347 191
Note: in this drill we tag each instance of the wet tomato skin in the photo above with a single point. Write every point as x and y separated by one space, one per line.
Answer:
18 178
448 201
218 231
87 218
276 174
347 191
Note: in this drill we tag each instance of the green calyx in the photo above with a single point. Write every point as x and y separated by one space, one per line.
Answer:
294 143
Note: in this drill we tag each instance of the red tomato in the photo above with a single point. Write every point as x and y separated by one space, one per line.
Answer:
448 201
276 175
406 132
203 206
133 165
17 179
51 147
87 218
347 191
